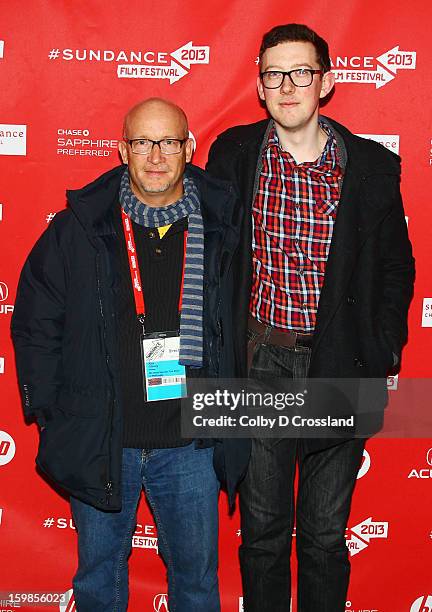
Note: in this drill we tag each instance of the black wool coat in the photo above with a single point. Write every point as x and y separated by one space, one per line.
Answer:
361 323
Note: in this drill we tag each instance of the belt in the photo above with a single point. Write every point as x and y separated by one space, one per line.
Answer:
272 335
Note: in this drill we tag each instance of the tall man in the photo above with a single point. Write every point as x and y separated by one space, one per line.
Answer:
116 298
324 278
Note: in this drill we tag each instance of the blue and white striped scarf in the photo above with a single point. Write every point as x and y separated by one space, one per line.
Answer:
191 317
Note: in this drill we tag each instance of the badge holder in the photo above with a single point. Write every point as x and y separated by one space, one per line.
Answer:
164 377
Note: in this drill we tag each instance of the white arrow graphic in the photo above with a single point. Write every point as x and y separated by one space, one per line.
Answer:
385 76
173 72
369 529
188 54
379 77
355 545
395 60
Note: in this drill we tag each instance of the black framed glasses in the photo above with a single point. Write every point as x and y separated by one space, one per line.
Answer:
167 146
300 77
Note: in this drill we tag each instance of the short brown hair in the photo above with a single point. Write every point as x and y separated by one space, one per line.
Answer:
296 32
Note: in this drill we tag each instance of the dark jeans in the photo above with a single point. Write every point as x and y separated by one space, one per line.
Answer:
267 506
182 490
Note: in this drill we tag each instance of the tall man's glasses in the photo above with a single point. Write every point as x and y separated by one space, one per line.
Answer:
167 146
300 77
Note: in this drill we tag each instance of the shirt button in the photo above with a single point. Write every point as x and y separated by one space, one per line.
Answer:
300 271
152 234
158 251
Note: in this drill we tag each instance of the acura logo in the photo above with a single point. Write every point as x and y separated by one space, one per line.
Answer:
429 457
4 292
7 448
4 447
366 462
422 604
160 603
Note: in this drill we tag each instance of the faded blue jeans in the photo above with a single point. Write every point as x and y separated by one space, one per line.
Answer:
268 507
182 490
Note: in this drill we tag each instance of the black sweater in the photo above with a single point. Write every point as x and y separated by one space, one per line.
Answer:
148 424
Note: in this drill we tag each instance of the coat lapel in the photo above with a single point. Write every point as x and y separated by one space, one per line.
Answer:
343 252
362 207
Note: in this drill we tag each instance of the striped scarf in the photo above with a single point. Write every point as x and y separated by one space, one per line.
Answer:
191 317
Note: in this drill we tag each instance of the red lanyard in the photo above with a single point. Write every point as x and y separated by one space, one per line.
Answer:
135 272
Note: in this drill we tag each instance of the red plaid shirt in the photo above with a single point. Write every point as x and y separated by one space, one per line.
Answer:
293 217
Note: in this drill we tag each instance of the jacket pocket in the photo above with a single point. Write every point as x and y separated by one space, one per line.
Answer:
85 403
73 449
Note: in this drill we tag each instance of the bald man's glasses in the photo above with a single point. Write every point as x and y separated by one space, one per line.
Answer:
167 146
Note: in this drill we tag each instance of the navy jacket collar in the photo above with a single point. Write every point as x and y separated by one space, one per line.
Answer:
94 203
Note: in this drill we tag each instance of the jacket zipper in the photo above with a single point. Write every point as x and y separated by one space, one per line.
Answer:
218 320
219 324
108 484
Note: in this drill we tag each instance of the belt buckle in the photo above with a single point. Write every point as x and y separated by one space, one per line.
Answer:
298 337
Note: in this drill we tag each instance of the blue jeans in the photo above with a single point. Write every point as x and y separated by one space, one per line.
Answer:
182 490
326 480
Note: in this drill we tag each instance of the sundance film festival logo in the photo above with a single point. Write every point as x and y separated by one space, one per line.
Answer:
150 64
68 602
4 293
362 534
60 523
7 448
13 139
389 141
422 604
160 602
145 537
423 472
369 70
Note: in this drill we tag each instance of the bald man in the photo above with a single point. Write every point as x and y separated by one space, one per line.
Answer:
110 320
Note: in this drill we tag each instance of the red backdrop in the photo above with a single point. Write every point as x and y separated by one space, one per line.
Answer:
69 71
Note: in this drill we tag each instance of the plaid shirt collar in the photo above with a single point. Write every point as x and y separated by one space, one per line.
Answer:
327 162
